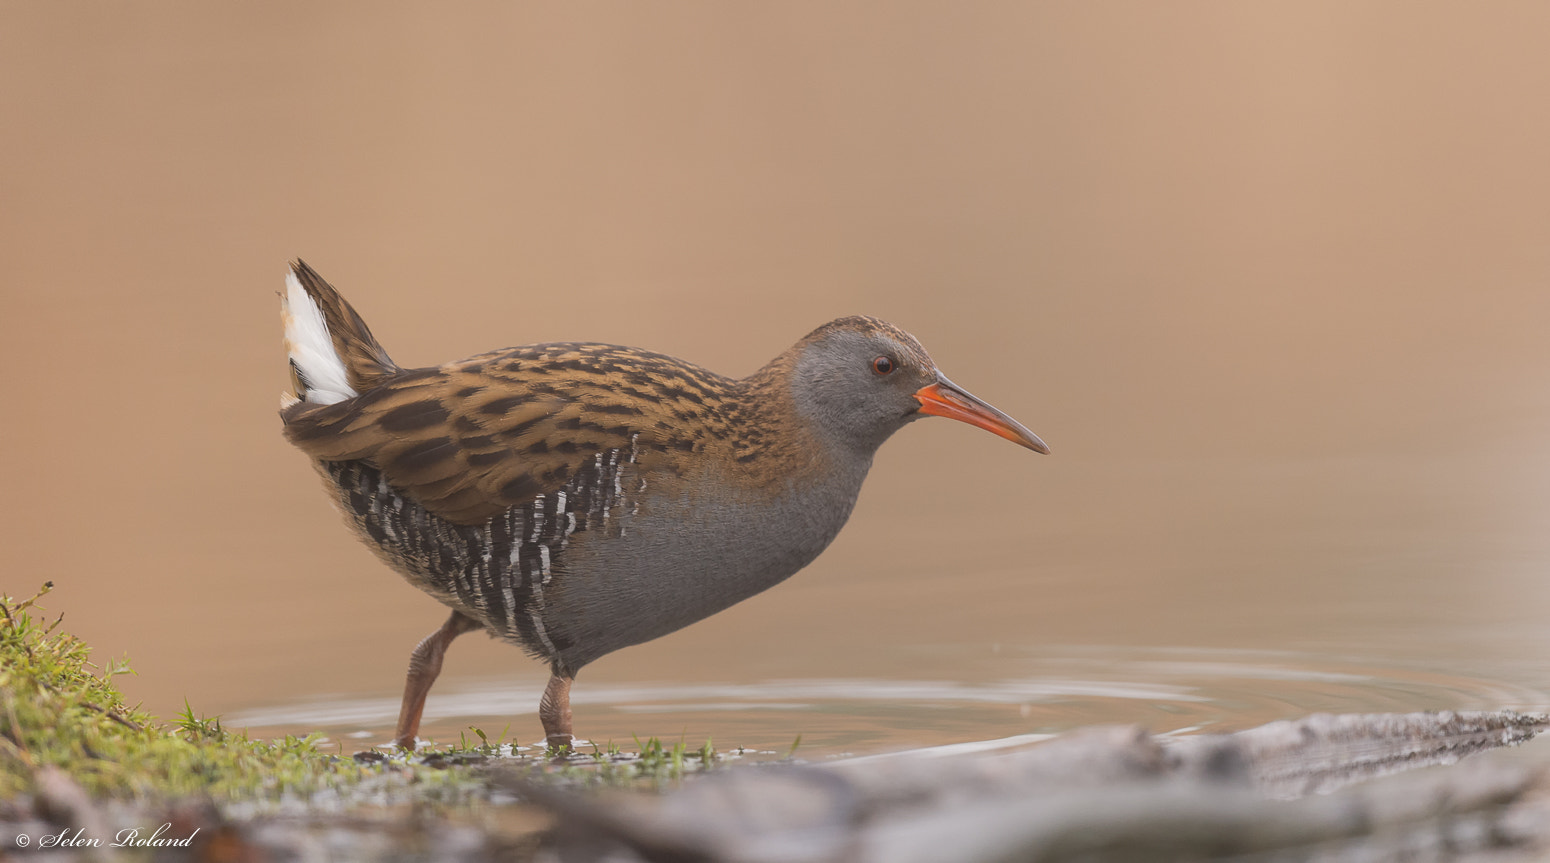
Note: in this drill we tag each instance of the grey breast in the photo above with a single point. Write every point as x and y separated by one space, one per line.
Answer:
684 551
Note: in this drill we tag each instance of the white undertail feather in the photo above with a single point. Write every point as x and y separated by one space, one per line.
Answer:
310 347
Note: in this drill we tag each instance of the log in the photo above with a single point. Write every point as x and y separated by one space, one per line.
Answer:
1320 788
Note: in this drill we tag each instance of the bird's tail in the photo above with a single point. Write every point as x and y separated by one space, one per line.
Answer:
332 352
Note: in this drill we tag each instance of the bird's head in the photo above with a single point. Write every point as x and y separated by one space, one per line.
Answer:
859 380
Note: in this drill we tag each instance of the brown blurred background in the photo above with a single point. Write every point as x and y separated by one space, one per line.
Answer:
1273 280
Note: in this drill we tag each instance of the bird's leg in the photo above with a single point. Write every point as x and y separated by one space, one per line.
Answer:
554 712
424 665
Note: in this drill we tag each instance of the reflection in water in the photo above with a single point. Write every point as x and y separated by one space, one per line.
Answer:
495 700
1169 690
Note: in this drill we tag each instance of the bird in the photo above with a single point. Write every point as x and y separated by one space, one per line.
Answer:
575 498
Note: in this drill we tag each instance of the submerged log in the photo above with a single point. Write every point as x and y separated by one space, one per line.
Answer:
1300 790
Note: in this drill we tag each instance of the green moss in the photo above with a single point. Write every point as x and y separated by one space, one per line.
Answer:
59 709
653 765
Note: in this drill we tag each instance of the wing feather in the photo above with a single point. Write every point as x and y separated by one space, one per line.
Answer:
469 440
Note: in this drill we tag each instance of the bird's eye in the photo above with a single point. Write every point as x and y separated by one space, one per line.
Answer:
883 365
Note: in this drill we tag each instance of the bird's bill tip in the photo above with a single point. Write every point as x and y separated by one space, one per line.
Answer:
946 399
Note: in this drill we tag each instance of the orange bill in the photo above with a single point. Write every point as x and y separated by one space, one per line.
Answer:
946 399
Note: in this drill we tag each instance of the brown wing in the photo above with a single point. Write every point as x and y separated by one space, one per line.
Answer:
471 439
